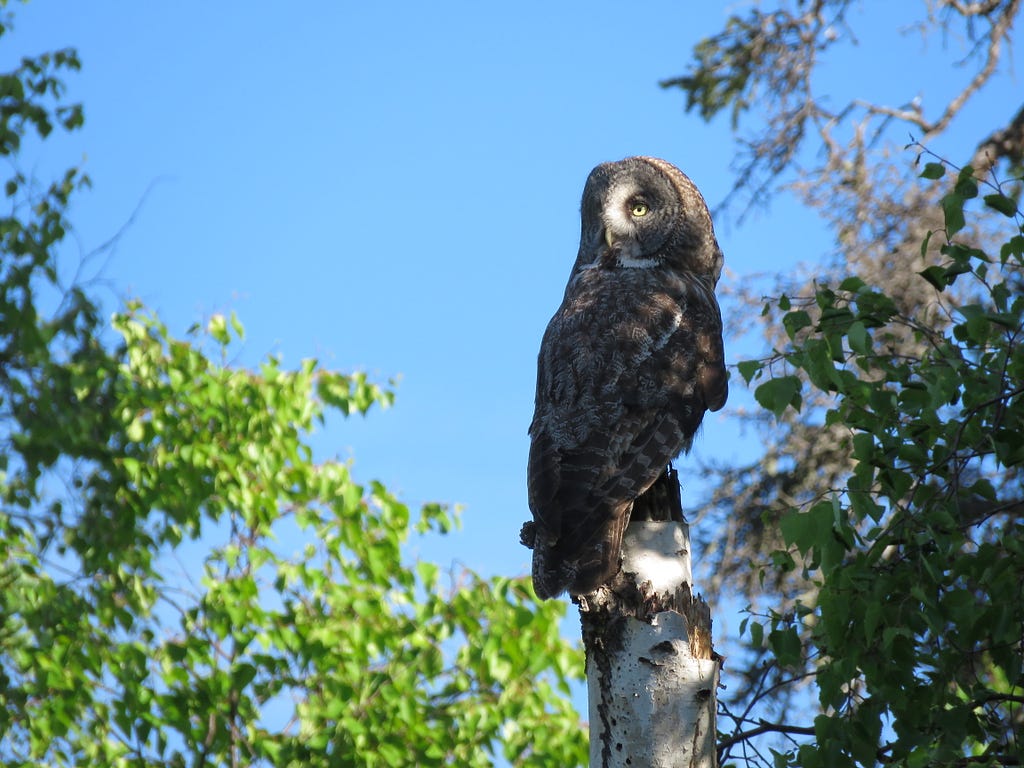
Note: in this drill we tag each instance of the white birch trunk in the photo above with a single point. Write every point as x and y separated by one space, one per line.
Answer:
651 673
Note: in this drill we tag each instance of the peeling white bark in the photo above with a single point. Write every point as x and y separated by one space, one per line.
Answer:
658 553
652 681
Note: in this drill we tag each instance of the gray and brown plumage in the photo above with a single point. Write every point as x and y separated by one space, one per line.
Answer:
628 366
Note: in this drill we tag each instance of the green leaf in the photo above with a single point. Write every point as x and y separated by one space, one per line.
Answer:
236 325
1000 202
935 275
925 242
796 321
863 446
218 329
779 393
785 644
428 573
966 185
756 634
805 530
852 284
1012 248
242 675
749 369
136 430
933 171
953 213
860 341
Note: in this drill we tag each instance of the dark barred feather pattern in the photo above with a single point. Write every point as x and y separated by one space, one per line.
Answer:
628 366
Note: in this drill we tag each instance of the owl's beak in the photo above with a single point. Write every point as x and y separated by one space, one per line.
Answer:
608 237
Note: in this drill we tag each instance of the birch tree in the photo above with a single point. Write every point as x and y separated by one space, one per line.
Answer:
882 520
127 451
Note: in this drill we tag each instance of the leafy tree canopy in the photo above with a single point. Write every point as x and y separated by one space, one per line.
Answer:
884 516
126 452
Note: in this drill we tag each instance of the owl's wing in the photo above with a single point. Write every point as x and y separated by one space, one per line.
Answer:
712 377
597 382
617 399
582 497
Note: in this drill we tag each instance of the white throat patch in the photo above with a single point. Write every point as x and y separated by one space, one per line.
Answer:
630 261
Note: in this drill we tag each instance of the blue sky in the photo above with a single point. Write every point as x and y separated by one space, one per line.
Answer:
395 188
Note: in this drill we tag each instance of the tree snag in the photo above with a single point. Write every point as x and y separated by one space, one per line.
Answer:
651 671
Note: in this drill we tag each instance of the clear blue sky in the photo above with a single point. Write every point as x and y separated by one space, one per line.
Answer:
395 188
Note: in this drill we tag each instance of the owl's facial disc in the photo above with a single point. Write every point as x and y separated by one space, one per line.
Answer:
620 229
632 214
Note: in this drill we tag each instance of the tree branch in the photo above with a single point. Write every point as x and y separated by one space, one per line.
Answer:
765 727
1000 28
1005 144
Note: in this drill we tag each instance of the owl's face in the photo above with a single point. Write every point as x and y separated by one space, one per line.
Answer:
642 213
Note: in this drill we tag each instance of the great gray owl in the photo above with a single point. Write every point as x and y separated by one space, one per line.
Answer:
628 366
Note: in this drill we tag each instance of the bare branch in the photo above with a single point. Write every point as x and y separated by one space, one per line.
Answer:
797 730
1004 144
973 9
997 33
1000 29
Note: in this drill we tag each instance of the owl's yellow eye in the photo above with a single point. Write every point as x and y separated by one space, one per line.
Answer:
639 209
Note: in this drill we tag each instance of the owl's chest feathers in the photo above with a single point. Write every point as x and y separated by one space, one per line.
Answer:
621 330
643 305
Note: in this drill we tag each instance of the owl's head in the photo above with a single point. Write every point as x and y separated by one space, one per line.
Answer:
643 212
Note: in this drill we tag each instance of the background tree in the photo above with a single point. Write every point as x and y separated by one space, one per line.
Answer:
309 636
884 511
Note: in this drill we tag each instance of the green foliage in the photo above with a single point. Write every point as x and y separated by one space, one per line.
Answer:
758 56
723 69
914 635
183 583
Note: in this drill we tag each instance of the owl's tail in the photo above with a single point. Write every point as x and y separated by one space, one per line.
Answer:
575 562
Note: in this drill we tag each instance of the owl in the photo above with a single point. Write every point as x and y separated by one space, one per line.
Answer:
628 366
